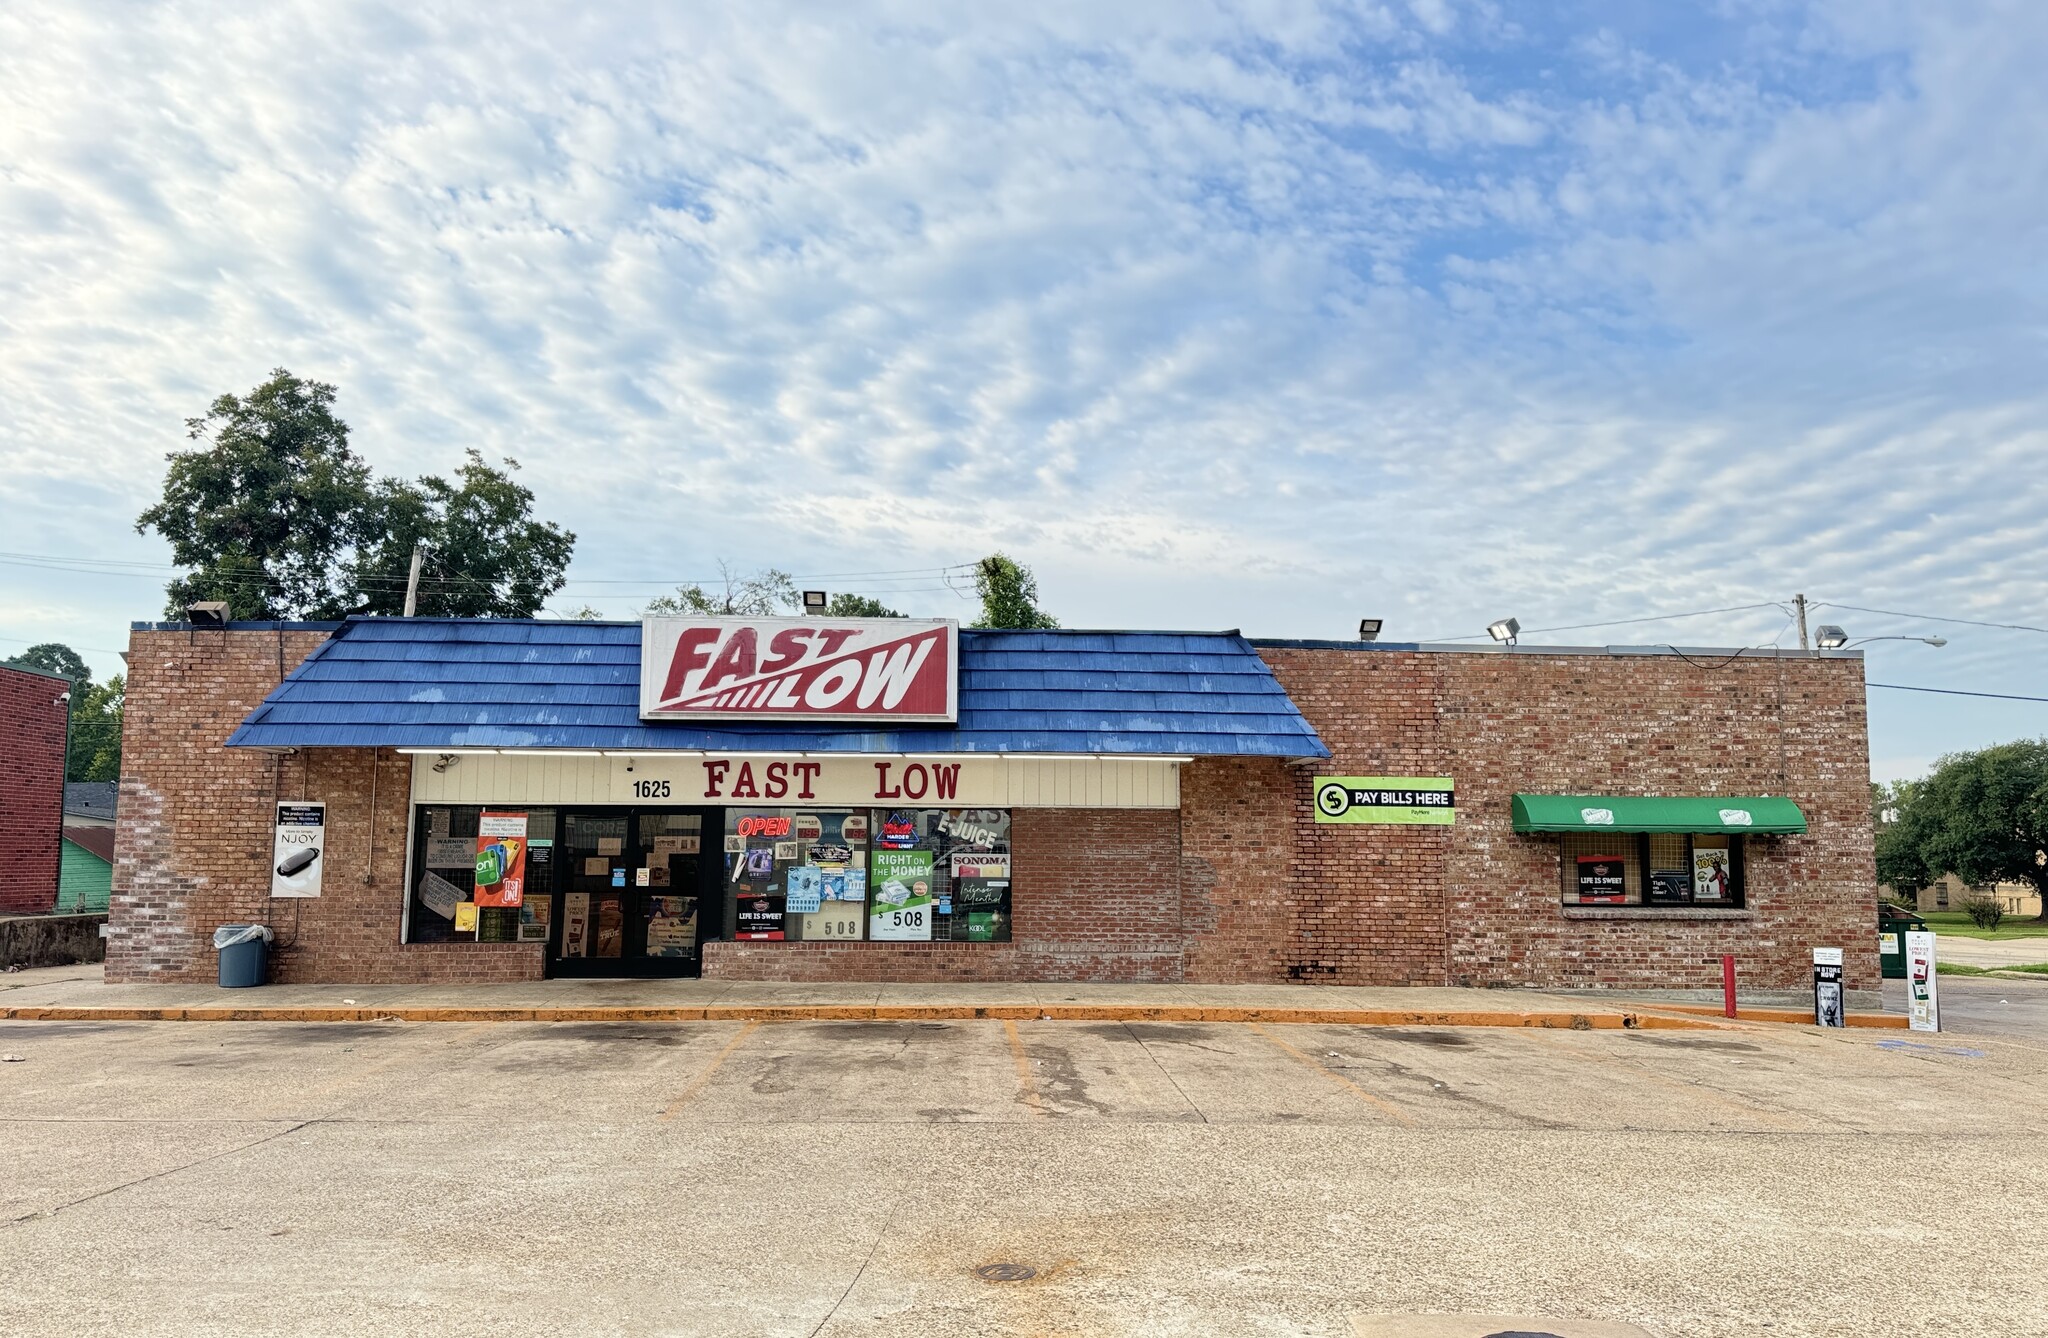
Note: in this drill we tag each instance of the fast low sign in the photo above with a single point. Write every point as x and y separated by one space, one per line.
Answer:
873 669
1413 800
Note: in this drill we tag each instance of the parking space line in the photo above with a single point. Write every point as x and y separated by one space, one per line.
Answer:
1032 1101
1392 1110
704 1076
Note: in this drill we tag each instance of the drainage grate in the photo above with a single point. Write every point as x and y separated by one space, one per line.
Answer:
1006 1272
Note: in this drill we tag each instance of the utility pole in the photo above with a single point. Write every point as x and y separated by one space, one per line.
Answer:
1798 602
412 592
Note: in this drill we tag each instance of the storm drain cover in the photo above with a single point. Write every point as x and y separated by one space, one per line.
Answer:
1006 1272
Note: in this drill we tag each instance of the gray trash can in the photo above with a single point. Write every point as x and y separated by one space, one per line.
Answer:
244 954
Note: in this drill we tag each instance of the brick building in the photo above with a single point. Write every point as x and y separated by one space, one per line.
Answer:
33 713
1092 806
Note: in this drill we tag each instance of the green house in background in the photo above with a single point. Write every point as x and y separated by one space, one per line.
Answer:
86 878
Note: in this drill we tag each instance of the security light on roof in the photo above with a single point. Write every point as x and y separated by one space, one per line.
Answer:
1830 637
1507 629
814 601
1369 629
207 613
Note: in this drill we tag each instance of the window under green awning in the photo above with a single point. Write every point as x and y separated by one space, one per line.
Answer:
1758 814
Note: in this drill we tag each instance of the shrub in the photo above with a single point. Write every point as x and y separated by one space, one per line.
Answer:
1984 911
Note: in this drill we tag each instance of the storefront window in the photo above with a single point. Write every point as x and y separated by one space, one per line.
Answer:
883 875
1651 869
456 845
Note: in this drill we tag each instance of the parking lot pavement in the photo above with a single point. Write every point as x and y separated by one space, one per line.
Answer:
1971 1006
819 1178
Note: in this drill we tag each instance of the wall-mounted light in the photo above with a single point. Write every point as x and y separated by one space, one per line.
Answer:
1369 629
445 761
1506 630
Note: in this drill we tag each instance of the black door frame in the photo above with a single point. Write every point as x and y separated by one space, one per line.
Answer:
633 962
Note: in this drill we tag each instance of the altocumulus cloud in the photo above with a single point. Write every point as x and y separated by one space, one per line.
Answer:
1267 314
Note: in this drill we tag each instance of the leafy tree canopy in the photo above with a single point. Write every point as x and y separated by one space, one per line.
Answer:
96 731
54 657
1009 594
1982 816
858 606
277 516
761 595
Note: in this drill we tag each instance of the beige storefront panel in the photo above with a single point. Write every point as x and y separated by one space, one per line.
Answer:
789 782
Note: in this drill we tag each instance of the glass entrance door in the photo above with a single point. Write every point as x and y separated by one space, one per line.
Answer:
630 888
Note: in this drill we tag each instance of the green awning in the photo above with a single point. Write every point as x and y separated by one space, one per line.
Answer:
1757 814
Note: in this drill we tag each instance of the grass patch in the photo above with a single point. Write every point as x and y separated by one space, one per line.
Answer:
1957 925
1958 969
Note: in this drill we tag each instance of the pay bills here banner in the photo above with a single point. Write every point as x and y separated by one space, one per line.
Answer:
898 669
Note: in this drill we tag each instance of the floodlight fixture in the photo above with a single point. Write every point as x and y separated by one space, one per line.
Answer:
1830 637
814 603
207 613
1369 629
1507 629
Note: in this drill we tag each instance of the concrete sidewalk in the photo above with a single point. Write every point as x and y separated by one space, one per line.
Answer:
79 994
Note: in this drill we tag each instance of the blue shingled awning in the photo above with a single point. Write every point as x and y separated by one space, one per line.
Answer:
506 683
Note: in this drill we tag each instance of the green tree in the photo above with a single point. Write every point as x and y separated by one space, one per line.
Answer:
1009 594
483 554
1897 827
761 595
265 511
278 517
1982 816
54 657
858 606
95 753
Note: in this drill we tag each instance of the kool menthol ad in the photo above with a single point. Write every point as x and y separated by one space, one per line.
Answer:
1415 800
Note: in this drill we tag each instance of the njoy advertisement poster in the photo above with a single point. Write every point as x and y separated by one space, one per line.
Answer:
298 849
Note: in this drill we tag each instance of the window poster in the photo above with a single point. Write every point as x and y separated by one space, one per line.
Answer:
465 917
446 852
902 908
1602 880
806 888
439 895
1711 878
596 866
672 927
533 919
1671 885
834 921
500 859
575 924
611 927
758 918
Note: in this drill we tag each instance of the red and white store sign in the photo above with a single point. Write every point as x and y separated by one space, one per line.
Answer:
897 669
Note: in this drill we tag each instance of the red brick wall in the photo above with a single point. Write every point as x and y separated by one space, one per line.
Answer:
31 789
1476 904
192 848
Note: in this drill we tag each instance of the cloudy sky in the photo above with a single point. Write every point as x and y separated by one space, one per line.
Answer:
1266 315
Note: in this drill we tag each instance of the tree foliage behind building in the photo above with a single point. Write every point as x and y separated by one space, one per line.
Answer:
94 728
276 515
1982 816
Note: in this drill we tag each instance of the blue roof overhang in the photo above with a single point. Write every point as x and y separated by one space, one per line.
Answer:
464 684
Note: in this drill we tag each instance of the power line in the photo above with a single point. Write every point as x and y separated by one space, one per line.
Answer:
1953 692
1622 622
1935 618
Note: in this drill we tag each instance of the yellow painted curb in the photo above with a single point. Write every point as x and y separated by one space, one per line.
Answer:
1883 1021
1022 1012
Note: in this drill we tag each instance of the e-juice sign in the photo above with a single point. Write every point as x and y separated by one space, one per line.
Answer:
500 859
1429 801
1601 879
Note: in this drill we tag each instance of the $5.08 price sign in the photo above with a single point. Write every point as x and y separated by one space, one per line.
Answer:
901 889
